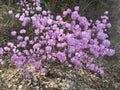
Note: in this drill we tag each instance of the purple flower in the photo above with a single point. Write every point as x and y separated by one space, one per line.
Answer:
111 52
74 15
11 44
44 12
91 66
14 57
101 35
26 52
106 43
22 31
1 51
48 49
31 60
109 25
76 62
50 21
65 13
10 12
44 57
27 73
37 31
13 33
17 15
7 49
36 46
76 8
19 37
20 63
38 64
51 42
61 57
31 42
100 71
68 10
43 70
41 51
26 38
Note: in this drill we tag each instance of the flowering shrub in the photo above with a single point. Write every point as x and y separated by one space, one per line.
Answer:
77 41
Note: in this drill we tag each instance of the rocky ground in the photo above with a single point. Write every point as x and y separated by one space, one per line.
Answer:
61 77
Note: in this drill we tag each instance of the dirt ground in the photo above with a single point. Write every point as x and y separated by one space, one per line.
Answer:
61 77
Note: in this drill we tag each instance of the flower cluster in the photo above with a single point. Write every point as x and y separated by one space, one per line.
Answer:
77 41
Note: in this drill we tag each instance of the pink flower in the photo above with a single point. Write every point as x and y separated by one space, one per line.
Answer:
61 57
19 37
111 52
14 57
10 12
76 62
22 31
44 12
76 8
13 33
38 64
26 38
38 8
7 49
43 70
106 43
68 10
48 49
17 15
27 73
74 15
1 51
51 42
109 25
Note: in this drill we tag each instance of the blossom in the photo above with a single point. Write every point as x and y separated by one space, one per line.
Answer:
61 57
20 63
100 71
14 57
26 38
37 65
74 15
1 51
109 25
48 49
91 66
43 70
101 35
106 43
19 37
10 44
10 12
51 42
68 10
76 62
6 48
22 31
111 52
17 15
27 73
76 8
44 12
13 33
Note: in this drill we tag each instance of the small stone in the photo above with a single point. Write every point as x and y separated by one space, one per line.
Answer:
20 87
